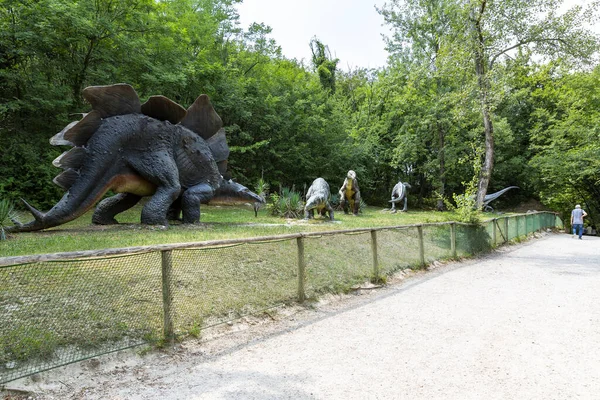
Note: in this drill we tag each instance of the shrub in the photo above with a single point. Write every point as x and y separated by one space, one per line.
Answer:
288 204
7 213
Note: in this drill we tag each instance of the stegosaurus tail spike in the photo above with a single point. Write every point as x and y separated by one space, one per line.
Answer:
37 214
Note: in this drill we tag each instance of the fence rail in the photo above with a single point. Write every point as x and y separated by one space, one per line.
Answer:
65 307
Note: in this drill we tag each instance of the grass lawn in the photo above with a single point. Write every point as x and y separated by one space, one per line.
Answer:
216 223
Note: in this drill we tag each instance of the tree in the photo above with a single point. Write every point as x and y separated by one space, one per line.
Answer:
324 64
484 33
566 128
497 27
421 35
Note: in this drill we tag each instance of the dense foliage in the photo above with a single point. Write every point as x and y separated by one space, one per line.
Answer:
425 118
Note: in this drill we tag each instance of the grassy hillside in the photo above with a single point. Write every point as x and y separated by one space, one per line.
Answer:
217 223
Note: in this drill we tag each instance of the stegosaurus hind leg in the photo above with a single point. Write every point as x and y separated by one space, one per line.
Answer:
160 169
107 209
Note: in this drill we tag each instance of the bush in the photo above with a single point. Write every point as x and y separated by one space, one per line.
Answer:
288 204
7 213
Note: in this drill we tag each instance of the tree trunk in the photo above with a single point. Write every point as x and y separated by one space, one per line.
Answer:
442 187
483 83
488 163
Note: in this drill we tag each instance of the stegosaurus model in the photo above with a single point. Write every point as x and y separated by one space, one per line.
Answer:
157 149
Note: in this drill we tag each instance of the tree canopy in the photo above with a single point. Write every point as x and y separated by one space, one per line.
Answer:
511 83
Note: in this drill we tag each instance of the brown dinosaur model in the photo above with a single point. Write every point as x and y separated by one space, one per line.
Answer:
350 194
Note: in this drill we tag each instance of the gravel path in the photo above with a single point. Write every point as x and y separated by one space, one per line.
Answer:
522 323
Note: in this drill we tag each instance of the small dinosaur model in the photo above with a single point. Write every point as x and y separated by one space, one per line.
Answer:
493 196
155 149
399 193
350 193
317 198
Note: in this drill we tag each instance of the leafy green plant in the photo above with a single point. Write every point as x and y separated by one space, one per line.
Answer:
465 204
7 213
195 330
261 188
334 201
288 204
362 205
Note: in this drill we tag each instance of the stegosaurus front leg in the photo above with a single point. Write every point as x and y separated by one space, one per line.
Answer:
191 199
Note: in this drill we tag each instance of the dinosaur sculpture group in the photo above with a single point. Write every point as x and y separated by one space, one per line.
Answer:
159 149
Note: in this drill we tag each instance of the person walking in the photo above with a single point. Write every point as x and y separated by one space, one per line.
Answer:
577 216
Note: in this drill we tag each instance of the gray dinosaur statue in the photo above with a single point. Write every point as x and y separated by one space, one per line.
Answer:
399 193
317 198
350 193
155 149
493 196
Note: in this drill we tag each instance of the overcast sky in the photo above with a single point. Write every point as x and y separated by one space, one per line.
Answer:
351 28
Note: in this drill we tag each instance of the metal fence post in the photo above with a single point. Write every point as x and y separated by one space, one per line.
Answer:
506 237
301 269
375 258
167 266
421 246
453 239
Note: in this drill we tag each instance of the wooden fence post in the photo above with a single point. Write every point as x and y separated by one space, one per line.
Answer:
453 239
494 224
167 266
301 269
421 246
375 258
506 237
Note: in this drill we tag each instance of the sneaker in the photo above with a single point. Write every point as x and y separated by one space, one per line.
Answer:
580 239
574 236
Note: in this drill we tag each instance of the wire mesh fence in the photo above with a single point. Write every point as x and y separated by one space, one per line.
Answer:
62 308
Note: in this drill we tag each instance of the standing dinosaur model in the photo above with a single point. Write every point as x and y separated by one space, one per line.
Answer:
155 149
317 198
491 197
399 193
350 193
